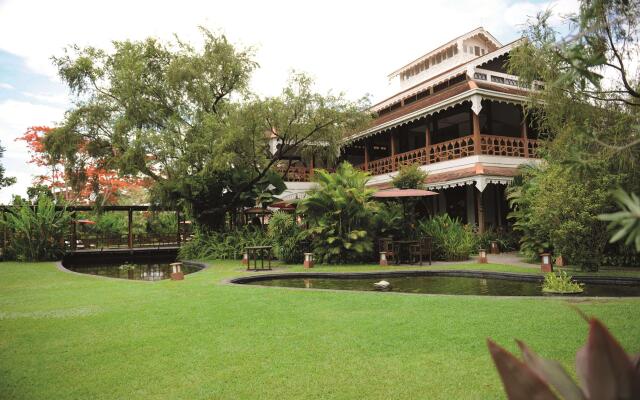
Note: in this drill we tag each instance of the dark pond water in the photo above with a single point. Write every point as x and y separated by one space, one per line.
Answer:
447 285
135 270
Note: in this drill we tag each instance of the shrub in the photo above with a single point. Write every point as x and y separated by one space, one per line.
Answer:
36 231
507 241
451 240
223 245
560 282
409 177
340 215
287 237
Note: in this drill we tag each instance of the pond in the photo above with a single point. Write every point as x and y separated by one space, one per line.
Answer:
132 268
484 284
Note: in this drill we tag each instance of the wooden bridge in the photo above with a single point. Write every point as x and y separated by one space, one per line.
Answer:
76 243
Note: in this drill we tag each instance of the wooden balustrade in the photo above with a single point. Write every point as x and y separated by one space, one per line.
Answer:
443 151
502 146
451 149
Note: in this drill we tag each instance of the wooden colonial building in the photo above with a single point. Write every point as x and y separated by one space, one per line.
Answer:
460 116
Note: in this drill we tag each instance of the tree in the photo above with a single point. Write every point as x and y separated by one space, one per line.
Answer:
409 177
5 180
88 181
340 215
588 104
185 118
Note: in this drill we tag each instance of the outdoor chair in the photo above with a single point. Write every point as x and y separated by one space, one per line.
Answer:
422 251
386 245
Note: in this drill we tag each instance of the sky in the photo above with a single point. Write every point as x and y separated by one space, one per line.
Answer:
345 46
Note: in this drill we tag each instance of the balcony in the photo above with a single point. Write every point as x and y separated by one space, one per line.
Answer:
491 145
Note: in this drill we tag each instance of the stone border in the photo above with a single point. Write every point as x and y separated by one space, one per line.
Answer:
202 266
624 281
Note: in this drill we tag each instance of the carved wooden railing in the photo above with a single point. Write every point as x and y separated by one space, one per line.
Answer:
508 146
294 174
381 166
451 149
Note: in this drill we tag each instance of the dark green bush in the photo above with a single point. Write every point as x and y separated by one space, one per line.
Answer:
287 237
225 245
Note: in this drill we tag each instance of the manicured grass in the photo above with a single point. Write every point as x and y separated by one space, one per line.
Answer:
66 336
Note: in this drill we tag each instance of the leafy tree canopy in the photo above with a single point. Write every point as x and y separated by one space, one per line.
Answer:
185 118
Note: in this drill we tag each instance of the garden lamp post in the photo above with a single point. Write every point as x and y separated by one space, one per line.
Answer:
546 265
495 249
482 253
308 260
176 272
383 258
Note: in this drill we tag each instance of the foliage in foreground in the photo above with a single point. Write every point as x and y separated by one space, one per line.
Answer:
627 220
36 231
606 371
560 282
451 240
340 215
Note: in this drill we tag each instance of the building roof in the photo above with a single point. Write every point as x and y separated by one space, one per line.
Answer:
480 31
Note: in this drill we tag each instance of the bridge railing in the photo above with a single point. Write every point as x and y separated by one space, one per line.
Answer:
100 242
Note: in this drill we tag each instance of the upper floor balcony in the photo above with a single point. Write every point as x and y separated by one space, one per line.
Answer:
499 130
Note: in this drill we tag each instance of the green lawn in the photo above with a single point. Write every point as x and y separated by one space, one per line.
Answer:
66 336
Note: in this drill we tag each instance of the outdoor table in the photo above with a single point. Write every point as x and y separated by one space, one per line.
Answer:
401 250
255 252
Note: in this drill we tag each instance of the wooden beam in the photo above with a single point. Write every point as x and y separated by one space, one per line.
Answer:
525 133
366 154
393 149
475 119
427 142
74 232
311 165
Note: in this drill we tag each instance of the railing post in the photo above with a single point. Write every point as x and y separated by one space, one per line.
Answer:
393 150
366 155
524 133
477 149
130 236
427 144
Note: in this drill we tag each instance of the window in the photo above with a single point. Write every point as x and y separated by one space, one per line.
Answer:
476 50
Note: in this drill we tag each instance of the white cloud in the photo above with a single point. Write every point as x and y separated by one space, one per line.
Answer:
50 98
345 45
6 86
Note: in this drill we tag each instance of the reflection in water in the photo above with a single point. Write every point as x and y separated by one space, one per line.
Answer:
447 285
144 271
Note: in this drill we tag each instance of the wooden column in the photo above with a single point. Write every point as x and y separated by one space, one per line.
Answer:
524 134
480 207
366 155
427 143
179 238
393 149
311 165
475 120
130 230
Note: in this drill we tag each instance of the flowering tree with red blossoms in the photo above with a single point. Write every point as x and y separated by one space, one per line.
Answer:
90 183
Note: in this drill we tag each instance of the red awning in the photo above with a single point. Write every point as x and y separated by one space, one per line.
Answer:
395 193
